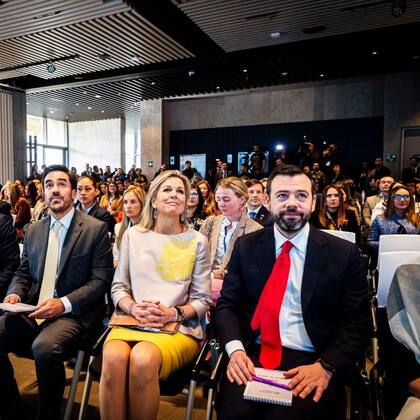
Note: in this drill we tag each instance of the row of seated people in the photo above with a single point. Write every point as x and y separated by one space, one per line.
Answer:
163 274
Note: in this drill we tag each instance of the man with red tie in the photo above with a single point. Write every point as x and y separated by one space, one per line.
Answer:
294 299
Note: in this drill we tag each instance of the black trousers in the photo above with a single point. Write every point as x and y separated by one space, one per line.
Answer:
231 405
49 344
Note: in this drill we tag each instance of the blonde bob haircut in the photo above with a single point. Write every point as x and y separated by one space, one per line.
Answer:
147 221
141 196
236 185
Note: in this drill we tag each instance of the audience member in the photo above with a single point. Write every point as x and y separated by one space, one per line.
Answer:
363 178
87 203
379 171
318 176
195 213
209 207
257 163
133 203
163 276
337 174
255 208
375 205
244 171
189 171
399 217
34 173
333 215
66 269
36 200
226 172
112 200
223 230
294 299
412 173
88 170
20 208
9 253
162 168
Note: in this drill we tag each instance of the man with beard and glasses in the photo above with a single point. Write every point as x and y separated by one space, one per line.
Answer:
66 270
295 299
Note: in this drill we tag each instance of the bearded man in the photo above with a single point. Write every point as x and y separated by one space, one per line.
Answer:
294 299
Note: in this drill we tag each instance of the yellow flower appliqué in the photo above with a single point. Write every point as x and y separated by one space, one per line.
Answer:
177 259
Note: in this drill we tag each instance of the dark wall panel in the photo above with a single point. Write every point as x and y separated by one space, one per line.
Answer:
358 139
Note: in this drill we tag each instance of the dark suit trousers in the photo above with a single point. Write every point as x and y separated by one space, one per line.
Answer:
49 345
231 405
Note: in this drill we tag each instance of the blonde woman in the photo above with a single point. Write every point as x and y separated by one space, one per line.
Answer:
133 202
163 276
223 230
112 200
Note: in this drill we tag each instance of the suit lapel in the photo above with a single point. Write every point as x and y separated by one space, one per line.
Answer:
215 232
316 258
71 238
266 253
44 234
239 231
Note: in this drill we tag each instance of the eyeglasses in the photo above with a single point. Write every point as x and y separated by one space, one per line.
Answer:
401 197
194 194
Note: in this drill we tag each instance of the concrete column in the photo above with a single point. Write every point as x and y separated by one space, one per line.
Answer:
6 137
19 135
151 122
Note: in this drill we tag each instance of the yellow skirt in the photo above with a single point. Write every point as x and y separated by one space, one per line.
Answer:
177 350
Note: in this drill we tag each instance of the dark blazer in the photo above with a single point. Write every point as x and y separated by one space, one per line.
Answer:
9 253
5 208
408 175
334 294
263 217
101 214
85 270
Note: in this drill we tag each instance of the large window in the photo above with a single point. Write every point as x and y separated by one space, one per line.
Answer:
46 142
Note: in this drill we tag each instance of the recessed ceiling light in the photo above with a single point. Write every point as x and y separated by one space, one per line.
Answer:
284 73
27 103
89 107
275 35
153 83
245 70
102 111
217 87
136 103
374 52
84 92
67 117
191 73
97 96
321 75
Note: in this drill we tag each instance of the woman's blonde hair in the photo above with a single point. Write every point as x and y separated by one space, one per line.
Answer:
147 219
141 196
14 193
410 213
236 185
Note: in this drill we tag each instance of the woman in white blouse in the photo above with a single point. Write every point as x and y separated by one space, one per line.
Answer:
163 276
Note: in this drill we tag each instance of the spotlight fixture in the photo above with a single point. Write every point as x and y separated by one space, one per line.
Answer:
322 75
89 107
97 96
284 74
218 87
191 73
275 35
153 83
245 71
51 68
374 52
398 8
279 147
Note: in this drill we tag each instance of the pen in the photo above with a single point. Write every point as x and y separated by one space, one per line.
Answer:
268 382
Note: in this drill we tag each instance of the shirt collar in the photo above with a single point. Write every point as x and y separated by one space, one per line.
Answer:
65 220
300 241
254 211
227 222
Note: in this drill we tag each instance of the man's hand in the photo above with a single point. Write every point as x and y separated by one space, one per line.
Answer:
240 368
307 378
48 309
11 299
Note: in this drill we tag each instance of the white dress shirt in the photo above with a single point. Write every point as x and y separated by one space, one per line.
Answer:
65 224
292 328
378 209
223 242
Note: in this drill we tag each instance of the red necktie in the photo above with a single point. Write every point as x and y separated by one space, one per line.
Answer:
266 316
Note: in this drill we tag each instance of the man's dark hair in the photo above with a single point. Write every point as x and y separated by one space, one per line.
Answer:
287 170
188 161
251 182
61 168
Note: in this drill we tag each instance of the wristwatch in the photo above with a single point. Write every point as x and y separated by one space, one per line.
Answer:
180 314
326 365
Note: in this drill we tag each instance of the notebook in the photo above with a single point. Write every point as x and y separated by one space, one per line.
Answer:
121 319
257 391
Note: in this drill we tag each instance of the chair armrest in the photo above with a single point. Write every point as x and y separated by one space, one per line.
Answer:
97 347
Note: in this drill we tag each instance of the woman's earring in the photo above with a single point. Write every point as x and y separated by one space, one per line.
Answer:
155 214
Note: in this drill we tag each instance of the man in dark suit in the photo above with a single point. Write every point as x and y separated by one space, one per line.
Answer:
66 270
9 253
255 207
316 329
5 208
87 192
412 173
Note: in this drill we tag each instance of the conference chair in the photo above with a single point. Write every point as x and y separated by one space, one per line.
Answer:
394 251
184 380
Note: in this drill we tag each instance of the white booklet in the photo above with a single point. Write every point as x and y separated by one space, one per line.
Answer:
263 392
17 307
